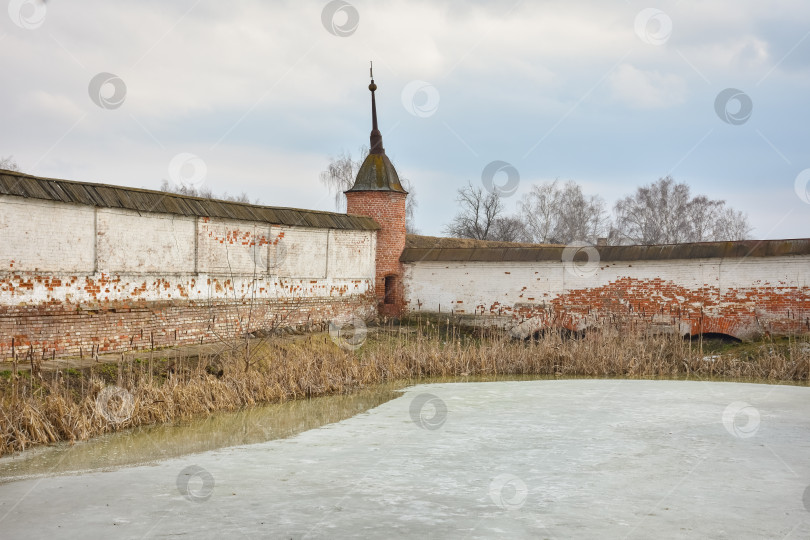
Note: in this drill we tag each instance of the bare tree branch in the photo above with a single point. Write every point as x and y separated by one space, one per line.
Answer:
205 193
9 164
666 213
556 213
509 229
477 214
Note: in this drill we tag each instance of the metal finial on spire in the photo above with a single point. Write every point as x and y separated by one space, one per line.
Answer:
376 137
377 173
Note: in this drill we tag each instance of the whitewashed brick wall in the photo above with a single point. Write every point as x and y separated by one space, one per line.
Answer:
32 236
462 286
744 297
300 252
132 242
351 254
58 252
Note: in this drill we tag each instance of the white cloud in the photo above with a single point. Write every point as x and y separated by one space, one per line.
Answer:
55 106
646 89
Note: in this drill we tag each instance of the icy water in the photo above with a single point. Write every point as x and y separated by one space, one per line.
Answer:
506 459
150 444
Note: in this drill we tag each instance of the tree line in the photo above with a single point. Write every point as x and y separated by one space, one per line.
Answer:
664 212
204 192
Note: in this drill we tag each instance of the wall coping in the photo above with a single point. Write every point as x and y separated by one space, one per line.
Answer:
17 184
699 250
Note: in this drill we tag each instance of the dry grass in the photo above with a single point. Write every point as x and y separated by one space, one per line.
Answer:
44 409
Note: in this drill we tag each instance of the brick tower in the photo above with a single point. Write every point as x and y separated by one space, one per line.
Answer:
377 193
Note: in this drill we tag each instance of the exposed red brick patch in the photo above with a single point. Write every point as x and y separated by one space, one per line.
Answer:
740 312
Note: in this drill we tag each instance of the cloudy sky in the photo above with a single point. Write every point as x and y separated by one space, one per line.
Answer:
258 96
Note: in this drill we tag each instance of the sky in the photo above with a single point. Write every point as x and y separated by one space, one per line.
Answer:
257 96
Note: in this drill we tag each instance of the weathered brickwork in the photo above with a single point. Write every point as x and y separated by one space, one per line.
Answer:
741 297
127 242
83 330
388 209
30 239
76 279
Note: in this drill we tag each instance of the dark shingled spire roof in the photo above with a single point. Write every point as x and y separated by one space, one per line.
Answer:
377 172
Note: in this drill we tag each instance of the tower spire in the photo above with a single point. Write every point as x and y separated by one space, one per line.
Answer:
377 173
376 137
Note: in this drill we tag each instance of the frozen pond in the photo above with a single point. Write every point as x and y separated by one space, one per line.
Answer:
149 444
539 459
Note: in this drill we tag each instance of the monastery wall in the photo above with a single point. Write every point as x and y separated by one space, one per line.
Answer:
76 278
667 288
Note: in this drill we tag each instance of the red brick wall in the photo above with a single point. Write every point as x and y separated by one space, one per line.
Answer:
114 327
388 209
744 313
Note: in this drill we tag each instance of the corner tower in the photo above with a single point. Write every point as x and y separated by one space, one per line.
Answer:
377 193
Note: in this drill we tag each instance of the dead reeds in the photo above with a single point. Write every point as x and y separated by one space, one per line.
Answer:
36 409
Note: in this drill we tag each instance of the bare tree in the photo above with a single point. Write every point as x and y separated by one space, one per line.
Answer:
478 214
204 192
732 225
410 207
341 173
555 213
702 214
9 164
509 229
666 213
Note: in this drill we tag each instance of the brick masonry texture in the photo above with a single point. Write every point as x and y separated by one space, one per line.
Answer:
110 327
388 209
76 278
740 297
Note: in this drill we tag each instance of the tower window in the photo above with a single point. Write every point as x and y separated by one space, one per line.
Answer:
389 289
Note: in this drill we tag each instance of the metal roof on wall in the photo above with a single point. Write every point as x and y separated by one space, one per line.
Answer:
699 250
144 200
